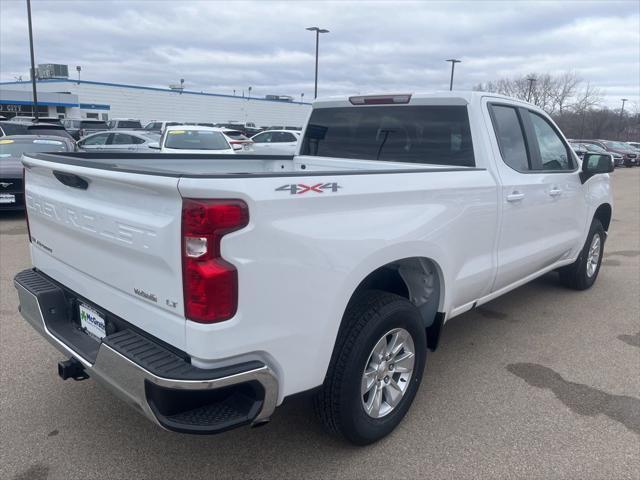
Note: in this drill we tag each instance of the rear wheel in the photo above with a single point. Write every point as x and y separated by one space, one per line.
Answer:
376 368
583 272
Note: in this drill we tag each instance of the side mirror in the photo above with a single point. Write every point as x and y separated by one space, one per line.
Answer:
596 163
154 145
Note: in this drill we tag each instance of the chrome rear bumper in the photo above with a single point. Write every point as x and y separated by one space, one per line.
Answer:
130 380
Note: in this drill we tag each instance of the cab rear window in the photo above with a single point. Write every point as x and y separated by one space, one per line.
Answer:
437 135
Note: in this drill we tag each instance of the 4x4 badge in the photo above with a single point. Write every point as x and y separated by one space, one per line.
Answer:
301 188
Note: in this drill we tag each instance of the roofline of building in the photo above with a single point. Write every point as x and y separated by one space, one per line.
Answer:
157 89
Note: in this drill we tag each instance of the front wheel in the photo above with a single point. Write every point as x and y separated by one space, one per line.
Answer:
376 368
582 274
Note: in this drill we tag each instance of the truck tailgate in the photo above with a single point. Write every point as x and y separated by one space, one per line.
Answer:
113 237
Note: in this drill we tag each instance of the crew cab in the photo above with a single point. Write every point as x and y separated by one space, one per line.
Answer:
206 289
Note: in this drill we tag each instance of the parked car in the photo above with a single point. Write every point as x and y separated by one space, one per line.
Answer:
238 141
19 128
635 145
248 129
11 150
618 159
122 140
21 119
629 156
158 126
195 139
276 142
124 124
206 291
79 128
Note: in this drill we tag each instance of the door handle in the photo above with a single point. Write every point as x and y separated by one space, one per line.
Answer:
554 192
515 197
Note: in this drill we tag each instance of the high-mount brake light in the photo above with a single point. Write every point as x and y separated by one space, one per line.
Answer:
380 99
210 283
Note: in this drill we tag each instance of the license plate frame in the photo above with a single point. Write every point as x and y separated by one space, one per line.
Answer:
92 322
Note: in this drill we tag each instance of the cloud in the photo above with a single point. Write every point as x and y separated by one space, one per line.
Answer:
376 46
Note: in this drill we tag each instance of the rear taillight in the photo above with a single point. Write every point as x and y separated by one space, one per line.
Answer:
24 200
210 283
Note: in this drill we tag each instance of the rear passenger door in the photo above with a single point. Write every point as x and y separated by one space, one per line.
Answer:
539 193
283 143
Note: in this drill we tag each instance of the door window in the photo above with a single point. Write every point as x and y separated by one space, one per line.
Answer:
262 138
100 139
284 137
510 135
554 154
123 139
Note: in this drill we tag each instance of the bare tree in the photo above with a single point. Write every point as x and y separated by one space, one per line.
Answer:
574 105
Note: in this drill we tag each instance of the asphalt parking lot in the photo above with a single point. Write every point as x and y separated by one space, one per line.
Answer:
541 383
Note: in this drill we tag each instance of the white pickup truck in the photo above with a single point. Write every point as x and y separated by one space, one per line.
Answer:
205 290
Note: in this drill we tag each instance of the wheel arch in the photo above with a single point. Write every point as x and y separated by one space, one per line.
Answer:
603 213
418 279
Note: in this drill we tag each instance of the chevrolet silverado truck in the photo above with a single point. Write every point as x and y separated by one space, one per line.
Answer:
206 289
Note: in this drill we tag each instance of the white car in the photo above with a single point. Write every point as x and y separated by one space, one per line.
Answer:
158 126
195 139
204 293
276 142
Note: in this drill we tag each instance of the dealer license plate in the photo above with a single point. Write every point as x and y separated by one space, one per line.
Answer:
7 198
92 322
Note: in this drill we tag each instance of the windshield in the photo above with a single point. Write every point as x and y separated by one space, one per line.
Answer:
15 148
195 140
617 145
415 134
95 125
13 129
129 124
54 131
595 148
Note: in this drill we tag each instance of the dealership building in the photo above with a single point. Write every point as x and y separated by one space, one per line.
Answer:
67 98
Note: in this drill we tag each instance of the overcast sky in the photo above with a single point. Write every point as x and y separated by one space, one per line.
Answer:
379 46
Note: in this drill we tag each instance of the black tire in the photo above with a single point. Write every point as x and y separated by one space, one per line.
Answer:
339 402
575 275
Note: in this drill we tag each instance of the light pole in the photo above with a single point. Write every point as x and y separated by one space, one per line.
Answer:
33 66
531 81
453 66
79 69
302 97
318 32
624 100
249 97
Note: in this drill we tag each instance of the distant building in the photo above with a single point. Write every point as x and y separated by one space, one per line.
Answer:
66 98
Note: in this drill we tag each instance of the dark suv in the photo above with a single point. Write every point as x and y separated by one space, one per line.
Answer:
629 155
79 128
